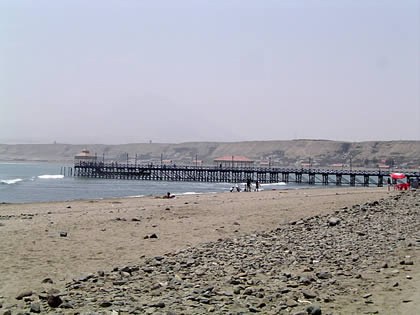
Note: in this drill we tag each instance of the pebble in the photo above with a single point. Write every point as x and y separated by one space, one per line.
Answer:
308 294
105 304
47 280
314 310
54 300
333 221
23 294
35 308
63 234
291 303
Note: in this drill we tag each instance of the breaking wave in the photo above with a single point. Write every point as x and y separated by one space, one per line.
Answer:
11 181
51 176
275 184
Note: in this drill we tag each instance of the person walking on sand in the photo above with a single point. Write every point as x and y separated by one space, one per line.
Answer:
248 185
389 183
257 186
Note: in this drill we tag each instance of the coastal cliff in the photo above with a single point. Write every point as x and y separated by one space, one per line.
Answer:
292 152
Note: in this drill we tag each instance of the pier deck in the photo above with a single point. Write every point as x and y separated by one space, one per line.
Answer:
234 174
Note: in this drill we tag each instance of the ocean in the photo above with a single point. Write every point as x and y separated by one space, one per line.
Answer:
37 182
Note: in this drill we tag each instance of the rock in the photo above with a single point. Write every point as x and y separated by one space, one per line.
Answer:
135 220
159 305
68 207
8 312
63 234
23 294
35 308
407 262
367 295
168 208
308 294
153 236
105 304
54 300
248 291
66 305
47 280
333 221
291 303
85 278
323 275
314 310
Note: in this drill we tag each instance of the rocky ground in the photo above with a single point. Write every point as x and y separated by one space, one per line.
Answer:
358 260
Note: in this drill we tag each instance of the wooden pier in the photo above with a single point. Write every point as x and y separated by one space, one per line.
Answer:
234 174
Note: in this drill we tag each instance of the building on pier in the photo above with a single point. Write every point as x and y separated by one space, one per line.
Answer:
85 156
233 161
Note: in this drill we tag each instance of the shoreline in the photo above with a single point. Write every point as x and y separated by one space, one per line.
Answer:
312 187
106 233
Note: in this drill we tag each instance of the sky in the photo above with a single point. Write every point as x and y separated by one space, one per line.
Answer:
124 71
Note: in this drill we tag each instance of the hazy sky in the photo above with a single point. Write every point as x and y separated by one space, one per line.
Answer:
103 71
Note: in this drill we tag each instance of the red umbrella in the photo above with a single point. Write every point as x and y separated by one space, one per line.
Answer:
397 175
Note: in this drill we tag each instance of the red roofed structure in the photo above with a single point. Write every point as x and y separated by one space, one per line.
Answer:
84 156
233 161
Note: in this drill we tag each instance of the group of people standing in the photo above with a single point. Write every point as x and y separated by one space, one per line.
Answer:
248 186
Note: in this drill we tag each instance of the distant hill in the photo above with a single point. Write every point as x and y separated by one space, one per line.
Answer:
293 152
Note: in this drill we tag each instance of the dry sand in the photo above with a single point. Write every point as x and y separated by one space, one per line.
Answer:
107 233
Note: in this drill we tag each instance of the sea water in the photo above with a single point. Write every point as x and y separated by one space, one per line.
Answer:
34 182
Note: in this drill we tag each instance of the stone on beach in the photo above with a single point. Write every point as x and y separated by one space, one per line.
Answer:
54 300
23 294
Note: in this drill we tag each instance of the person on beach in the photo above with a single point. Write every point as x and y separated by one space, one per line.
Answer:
168 196
389 183
248 185
257 186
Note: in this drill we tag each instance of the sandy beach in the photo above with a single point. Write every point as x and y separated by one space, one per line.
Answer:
104 234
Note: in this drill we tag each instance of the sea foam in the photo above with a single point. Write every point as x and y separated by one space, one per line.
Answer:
51 176
11 181
275 184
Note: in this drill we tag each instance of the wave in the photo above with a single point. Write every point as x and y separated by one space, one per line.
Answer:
51 176
135 196
275 184
11 181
